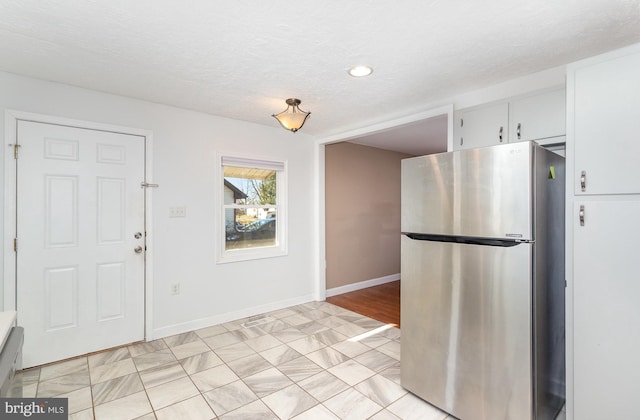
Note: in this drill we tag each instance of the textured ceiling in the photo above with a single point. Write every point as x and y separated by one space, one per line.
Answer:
241 59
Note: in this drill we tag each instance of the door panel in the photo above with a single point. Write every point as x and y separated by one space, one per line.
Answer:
111 210
483 192
111 288
606 313
466 328
483 126
607 111
61 298
61 211
538 116
80 285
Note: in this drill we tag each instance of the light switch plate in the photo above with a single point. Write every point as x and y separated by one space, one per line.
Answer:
177 212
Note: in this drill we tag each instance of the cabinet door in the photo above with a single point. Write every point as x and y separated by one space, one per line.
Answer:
538 116
457 129
606 310
606 124
483 126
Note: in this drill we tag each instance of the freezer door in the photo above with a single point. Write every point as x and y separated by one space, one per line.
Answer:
466 328
484 192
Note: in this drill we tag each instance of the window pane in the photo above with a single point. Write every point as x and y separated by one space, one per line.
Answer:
251 228
249 186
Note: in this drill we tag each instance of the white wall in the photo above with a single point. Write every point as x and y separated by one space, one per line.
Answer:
545 79
185 144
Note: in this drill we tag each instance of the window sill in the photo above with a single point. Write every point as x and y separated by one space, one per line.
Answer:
251 254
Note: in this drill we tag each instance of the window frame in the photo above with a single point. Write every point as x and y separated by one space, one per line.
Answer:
258 162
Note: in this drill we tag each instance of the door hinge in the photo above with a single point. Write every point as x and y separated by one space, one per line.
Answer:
147 185
15 150
15 244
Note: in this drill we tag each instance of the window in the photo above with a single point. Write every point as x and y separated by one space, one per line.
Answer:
253 209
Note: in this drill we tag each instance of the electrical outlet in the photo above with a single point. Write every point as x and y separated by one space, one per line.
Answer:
177 212
175 289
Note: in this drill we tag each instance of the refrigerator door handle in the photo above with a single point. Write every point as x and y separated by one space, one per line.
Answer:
465 239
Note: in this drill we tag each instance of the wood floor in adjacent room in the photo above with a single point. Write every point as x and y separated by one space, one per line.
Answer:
381 303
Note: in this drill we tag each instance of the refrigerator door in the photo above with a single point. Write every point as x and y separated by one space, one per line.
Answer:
485 192
466 327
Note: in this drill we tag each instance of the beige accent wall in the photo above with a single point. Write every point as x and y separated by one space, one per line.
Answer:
362 198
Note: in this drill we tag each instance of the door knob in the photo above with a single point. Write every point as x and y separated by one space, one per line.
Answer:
137 249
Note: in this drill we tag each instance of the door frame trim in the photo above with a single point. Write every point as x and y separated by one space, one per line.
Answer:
11 118
320 269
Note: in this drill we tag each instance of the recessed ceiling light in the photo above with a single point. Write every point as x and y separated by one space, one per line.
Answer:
360 71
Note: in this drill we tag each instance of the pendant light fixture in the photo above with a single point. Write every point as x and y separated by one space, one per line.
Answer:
292 118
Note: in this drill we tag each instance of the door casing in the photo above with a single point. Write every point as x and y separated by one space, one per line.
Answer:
11 119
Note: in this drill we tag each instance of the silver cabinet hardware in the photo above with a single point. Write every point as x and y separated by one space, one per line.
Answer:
137 235
461 141
583 181
581 215
518 131
500 134
137 249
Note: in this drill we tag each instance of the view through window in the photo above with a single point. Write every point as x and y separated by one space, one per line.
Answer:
252 206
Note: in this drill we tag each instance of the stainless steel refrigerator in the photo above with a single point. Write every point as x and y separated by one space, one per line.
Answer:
482 281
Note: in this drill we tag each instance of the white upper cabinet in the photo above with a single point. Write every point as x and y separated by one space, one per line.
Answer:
483 126
537 117
605 97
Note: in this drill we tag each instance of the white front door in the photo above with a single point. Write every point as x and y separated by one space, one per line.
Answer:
80 218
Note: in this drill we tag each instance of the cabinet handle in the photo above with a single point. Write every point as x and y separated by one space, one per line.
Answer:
518 131
500 134
581 215
583 181
461 141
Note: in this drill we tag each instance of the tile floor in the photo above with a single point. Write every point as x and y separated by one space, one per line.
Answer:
311 361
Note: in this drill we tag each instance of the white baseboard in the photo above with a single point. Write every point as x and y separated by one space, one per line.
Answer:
196 324
226 317
362 285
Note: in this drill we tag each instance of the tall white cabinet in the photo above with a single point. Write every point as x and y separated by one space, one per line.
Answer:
603 236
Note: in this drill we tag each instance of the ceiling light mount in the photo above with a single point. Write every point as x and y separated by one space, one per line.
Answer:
292 118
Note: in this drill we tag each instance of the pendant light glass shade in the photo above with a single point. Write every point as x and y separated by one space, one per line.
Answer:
292 118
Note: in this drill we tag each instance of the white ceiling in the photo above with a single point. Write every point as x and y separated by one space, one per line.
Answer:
241 59
417 138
